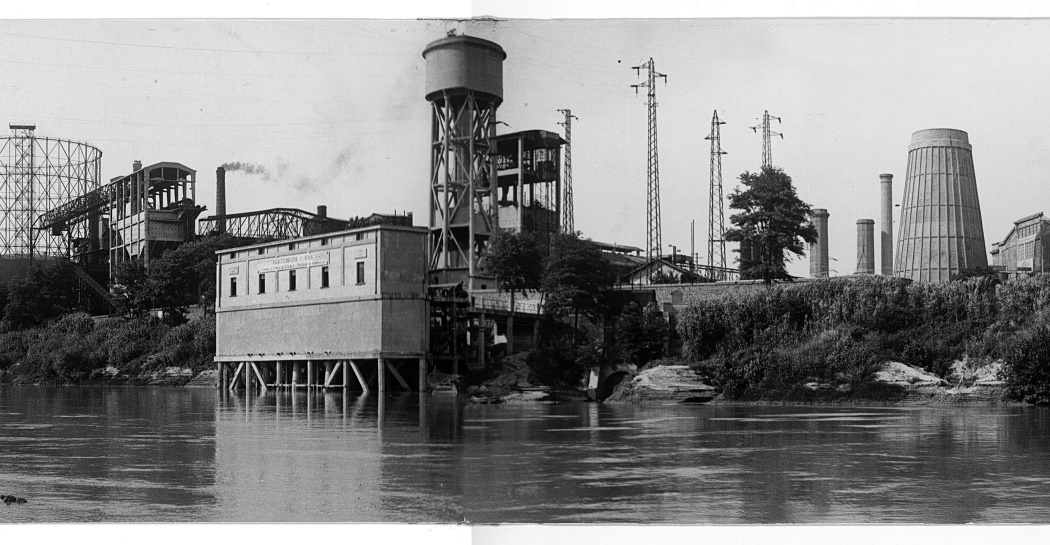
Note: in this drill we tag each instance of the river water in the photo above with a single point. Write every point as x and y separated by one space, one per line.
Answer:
179 454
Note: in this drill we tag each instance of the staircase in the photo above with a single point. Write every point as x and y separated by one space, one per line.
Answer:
94 286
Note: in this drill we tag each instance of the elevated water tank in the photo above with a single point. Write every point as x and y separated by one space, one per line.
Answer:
458 64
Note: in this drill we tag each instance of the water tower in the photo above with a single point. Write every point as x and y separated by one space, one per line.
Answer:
464 86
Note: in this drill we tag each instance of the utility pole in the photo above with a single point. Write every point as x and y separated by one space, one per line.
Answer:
767 152
652 242
716 222
567 219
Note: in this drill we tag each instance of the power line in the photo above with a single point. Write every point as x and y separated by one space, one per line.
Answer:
716 228
567 220
653 238
767 151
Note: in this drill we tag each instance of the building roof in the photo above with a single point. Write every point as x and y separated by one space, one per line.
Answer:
617 248
506 144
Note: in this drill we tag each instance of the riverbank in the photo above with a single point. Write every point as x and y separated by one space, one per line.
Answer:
894 383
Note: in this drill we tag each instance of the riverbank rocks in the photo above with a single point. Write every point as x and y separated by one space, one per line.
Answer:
894 372
208 378
665 383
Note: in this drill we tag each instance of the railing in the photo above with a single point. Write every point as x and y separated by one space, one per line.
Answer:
524 307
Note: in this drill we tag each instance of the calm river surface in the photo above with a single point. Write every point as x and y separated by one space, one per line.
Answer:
177 454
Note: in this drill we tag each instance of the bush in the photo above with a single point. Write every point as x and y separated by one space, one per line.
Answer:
641 334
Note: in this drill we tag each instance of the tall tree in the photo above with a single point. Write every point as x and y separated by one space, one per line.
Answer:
575 277
517 262
772 221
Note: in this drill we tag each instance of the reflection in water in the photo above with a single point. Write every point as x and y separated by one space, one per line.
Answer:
151 454
107 454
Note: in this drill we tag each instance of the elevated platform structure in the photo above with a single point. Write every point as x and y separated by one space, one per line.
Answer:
528 166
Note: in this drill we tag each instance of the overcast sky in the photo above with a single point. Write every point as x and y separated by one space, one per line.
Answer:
334 110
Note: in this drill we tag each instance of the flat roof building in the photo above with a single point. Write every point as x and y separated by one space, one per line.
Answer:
354 301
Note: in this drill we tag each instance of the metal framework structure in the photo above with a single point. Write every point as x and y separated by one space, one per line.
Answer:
716 226
653 238
568 223
528 172
286 223
462 183
767 149
37 175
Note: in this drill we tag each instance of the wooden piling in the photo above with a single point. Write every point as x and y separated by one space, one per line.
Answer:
309 373
422 374
381 386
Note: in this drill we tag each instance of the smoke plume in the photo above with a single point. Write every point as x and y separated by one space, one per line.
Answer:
249 168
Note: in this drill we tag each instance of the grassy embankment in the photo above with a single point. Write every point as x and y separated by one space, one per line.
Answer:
76 349
767 345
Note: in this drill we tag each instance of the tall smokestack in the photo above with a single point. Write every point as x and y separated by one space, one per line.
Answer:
322 211
220 199
886 235
865 246
818 251
136 165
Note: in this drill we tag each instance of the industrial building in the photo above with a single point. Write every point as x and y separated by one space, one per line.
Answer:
1025 250
941 232
321 309
528 167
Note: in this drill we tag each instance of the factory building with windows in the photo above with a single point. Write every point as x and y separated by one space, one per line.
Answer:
346 309
1025 250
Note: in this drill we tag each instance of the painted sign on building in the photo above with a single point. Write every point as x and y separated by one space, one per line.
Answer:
297 261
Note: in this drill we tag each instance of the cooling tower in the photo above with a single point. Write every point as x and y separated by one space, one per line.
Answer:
940 227
818 251
865 246
886 234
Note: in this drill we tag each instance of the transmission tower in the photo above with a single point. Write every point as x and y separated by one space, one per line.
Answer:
653 240
567 223
716 226
767 152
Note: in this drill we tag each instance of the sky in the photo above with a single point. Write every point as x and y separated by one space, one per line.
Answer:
333 110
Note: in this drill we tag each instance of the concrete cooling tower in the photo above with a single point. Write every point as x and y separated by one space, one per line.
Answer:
940 230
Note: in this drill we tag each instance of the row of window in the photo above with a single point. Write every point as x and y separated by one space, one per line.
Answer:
292 276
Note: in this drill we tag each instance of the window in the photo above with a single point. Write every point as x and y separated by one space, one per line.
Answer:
233 287
291 246
291 280
262 283
359 236
360 272
261 251
324 242
233 255
324 277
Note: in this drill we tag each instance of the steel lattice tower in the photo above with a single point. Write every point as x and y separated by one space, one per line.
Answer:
767 150
567 223
716 226
464 86
653 240
37 175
